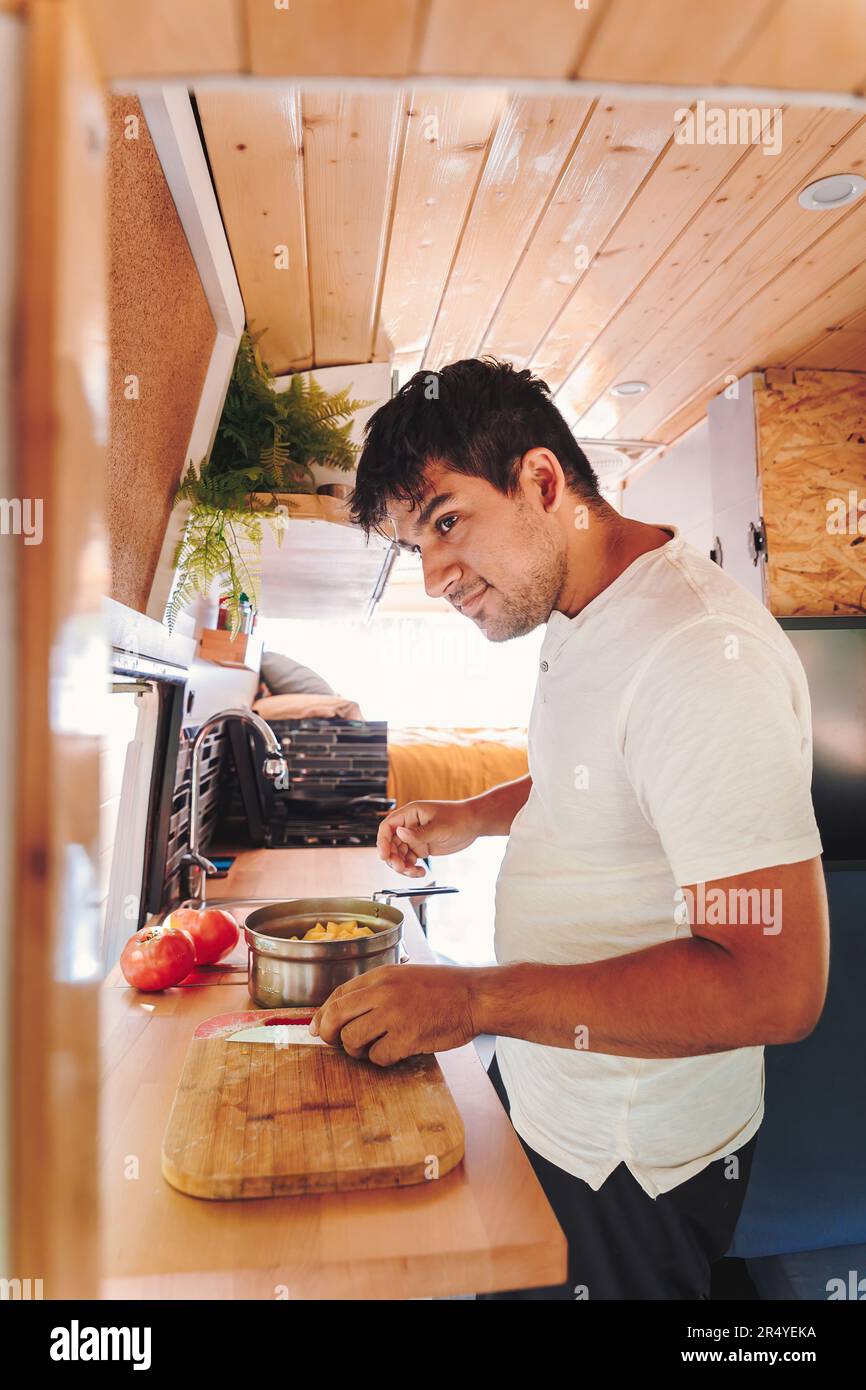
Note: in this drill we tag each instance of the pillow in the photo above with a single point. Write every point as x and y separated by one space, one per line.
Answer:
307 707
283 676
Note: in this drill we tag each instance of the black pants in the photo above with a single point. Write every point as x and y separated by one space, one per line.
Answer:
623 1244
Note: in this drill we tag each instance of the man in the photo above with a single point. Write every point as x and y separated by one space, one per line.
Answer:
660 909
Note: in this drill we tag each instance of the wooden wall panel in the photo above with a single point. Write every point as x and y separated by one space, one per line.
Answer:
533 142
352 144
812 452
346 37
61 661
13 39
162 334
254 143
163 37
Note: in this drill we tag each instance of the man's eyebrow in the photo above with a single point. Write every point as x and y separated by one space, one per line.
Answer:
426 512
423 517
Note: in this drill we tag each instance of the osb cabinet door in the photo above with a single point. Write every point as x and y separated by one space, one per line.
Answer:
811 434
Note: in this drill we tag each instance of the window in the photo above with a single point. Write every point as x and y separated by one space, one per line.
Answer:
412 669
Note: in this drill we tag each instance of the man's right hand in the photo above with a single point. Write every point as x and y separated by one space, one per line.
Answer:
419 828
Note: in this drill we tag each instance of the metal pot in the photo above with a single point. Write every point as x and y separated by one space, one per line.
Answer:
284 970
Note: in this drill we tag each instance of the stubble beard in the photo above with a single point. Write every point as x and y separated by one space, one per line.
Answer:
529 601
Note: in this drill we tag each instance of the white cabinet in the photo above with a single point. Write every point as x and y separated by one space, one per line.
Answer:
734 483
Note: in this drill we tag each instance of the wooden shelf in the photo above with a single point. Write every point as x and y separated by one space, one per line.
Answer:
310 506
244 652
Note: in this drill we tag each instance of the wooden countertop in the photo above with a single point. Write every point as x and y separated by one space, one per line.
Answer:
485 1226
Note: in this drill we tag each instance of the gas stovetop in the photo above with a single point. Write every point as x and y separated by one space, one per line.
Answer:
332 830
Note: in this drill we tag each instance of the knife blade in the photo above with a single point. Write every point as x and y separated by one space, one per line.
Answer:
278 1035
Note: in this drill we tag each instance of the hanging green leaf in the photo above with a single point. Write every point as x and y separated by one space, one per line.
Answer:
267 443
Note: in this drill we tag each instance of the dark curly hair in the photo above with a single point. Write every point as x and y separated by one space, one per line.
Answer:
478 417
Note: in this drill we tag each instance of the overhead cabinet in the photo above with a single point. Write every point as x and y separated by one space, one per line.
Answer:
788 473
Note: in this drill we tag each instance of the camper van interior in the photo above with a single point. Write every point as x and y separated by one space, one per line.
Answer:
261 266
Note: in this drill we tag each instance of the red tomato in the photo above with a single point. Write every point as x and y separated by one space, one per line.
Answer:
185 919
157 957
214 932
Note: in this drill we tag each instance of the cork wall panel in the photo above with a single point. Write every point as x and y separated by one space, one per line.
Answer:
812 465
161 335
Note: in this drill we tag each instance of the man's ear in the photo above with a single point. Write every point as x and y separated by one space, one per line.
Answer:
542 472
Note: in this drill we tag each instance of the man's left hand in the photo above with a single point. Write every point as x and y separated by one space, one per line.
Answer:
398 1011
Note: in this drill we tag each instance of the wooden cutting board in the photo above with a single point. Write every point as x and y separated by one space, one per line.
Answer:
261 1119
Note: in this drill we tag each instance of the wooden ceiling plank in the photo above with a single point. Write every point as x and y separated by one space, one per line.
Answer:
690 42
352 144
653 319
676 189
781 241
618 147
784 316
780 43
332 37
253 140
505 38
447 138
530 147
164 37
842 302
840 345
787 350
808 46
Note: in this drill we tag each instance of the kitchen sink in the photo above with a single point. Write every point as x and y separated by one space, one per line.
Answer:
231 902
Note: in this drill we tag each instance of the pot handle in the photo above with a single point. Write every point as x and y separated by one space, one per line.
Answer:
385 894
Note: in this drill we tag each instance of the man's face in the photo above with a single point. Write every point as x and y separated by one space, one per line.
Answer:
500 560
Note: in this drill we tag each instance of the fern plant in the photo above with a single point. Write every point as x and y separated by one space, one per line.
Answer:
266 443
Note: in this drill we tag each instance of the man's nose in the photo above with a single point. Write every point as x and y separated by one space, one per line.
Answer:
439 575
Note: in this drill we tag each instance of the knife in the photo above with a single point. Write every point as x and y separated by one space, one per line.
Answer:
277 1032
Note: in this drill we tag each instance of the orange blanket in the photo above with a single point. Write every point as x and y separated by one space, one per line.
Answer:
429 763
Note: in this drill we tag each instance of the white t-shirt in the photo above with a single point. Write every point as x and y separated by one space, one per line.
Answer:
669 744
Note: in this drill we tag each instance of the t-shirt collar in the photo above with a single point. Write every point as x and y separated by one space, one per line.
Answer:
560 625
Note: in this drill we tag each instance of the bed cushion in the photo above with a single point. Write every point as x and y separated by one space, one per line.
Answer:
283 676
307 707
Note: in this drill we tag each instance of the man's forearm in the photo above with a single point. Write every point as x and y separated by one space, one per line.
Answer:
494 810
678 999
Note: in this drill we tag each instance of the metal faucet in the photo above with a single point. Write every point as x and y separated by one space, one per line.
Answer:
197 866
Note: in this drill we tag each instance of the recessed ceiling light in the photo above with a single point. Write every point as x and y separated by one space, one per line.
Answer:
629 388
834 192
